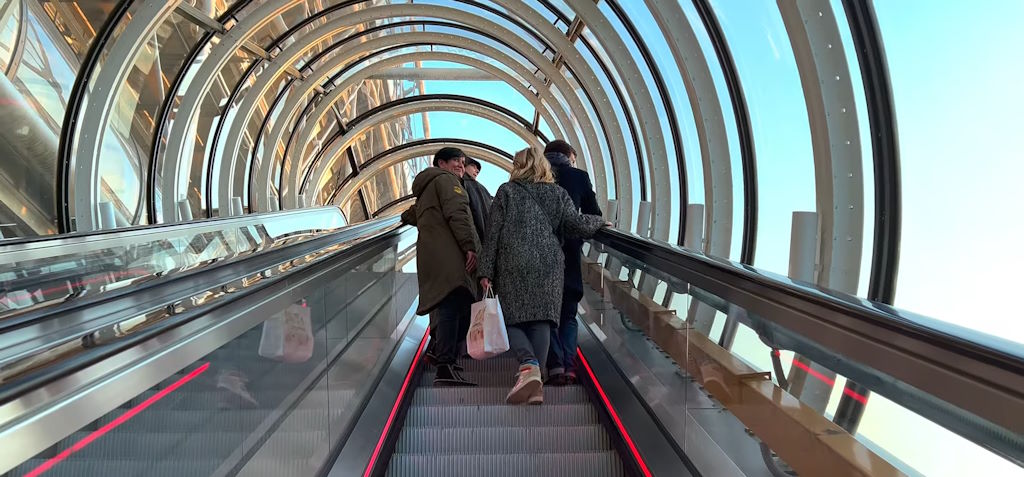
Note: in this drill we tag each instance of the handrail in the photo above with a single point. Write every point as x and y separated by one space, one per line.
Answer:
169 308
966 380
137 349
76 238
255 231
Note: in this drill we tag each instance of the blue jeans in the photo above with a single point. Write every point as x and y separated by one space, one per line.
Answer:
529 340
562 356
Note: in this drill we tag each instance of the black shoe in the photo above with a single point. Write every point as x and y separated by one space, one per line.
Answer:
555 380
448 375
431 360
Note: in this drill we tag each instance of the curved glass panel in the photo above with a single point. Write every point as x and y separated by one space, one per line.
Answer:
124 164
11 22
393 183
728 115
665 63
785 174
75 21
34 89
194 178
212 8
957 175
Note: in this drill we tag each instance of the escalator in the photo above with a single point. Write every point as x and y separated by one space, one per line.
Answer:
458 431
169 373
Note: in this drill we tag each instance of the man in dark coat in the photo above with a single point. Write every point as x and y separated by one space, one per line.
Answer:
479 197
562 354
446 255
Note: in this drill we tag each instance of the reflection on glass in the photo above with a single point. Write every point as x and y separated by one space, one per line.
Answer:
292 383
70 271
39 73
635 297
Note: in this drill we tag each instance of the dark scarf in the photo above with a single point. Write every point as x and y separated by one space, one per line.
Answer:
557 159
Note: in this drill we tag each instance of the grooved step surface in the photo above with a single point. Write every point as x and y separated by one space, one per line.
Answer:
502 415
481 378
428 396
512 440
472 432
579 464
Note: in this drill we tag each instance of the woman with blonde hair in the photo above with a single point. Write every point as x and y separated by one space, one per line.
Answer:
522 259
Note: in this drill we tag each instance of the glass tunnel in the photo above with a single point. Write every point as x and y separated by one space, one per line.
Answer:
810 269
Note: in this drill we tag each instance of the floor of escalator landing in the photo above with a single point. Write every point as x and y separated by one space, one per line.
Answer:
462 431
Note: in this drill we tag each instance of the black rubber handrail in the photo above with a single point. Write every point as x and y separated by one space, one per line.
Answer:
963 379
190 284
804 297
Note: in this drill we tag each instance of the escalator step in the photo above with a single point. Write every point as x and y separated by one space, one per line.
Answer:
502 416
494 440
503 364
581 464
430 396
482 378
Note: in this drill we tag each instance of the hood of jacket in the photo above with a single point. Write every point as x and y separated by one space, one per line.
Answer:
423 179
557 159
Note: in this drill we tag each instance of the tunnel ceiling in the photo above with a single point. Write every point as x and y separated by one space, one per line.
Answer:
182 110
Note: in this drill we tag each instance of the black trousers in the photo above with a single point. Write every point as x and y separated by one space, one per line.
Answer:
450 323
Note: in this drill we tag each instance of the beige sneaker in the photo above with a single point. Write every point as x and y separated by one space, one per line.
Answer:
537 397
526 386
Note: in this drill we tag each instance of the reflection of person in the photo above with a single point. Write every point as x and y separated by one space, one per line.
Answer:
479 198
522 255
562 356
447 244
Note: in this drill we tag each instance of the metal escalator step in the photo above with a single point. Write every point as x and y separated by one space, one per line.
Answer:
442 396
581 464
482 378
494 440
503 364
502 416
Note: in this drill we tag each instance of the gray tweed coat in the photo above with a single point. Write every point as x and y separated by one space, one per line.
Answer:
521 254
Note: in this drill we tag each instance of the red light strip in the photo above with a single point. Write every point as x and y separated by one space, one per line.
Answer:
394 409
615 415
45 466
831 382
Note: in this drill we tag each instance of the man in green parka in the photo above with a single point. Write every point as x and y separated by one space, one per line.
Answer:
446 250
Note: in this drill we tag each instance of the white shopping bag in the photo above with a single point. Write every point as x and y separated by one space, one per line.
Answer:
288 335
487 335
